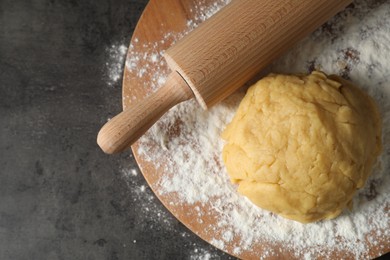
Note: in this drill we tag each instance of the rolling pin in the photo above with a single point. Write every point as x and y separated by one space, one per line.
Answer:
219 57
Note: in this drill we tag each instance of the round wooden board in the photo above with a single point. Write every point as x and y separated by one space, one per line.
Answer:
159 20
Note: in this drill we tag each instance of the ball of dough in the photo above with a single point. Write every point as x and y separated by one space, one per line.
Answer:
300 146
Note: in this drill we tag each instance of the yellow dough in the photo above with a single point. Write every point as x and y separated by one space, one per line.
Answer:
300 146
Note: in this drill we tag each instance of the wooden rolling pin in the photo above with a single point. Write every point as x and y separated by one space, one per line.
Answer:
220 56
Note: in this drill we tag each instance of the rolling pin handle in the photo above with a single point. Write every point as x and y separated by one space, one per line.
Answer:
123 130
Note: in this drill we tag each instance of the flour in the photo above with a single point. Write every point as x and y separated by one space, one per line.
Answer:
151 63
146 202
186 148
155 217
201 254
115 62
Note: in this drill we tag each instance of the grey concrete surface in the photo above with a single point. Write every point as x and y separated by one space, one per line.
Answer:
60 196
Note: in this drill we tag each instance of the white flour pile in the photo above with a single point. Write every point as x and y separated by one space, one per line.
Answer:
355 44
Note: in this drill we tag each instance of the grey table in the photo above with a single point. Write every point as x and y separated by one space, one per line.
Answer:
60 196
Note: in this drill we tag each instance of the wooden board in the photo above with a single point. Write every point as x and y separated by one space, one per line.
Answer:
158 19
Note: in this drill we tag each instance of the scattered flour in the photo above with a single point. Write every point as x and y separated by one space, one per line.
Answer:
157 218
201 254
146 201
185 144
116 59
152 62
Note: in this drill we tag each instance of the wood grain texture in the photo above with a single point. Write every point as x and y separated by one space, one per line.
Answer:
170 17
219 56
127 127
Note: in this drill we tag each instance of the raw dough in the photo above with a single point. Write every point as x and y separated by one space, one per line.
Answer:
300 146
